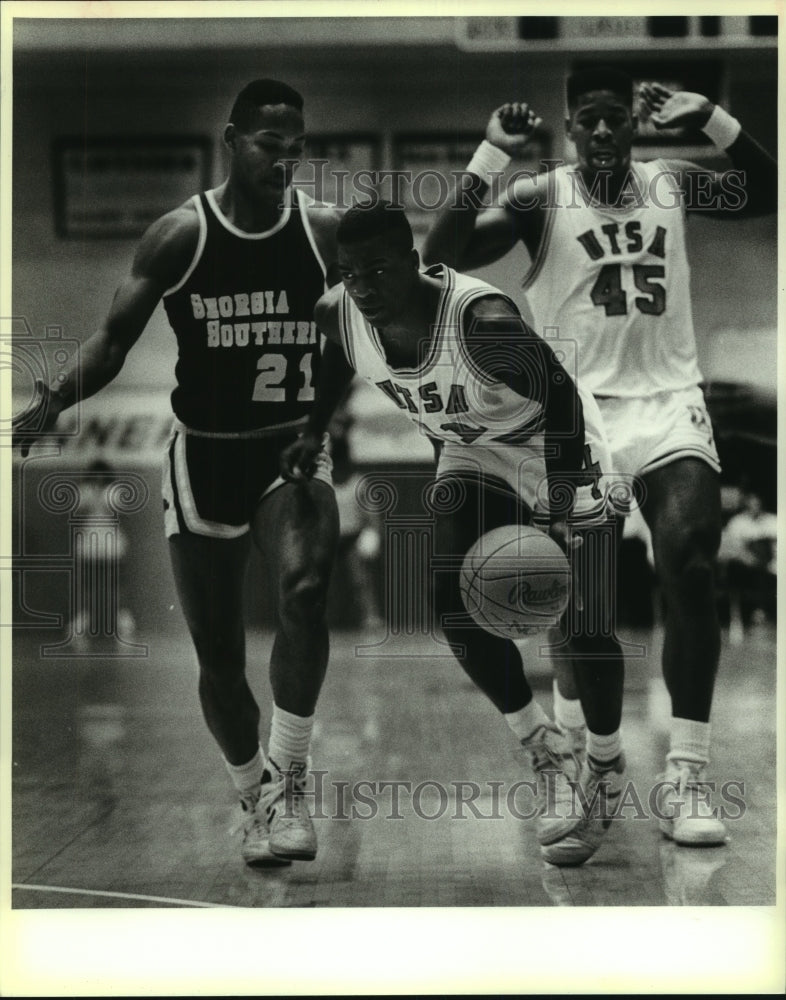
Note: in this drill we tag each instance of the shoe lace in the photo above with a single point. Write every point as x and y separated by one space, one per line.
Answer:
691 779
289 787
249 821
691 785
599 781
549 751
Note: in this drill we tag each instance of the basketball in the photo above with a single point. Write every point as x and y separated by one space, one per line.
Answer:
515 581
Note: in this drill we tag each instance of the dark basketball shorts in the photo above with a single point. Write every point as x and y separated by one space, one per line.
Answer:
211 484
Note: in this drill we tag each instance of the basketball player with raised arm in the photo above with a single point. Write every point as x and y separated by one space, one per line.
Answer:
239 269
608 269
453 354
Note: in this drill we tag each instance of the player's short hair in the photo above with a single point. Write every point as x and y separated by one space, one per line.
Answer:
599 78
260 92
376 218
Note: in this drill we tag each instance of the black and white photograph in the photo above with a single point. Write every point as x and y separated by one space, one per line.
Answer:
390 499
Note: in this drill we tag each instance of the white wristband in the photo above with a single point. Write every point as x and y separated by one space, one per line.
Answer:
487 160
721 128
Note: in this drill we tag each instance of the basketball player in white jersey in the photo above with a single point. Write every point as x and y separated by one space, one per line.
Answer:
453 354
239 269
608 269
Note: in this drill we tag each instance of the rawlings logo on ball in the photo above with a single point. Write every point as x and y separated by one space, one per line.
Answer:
525 594
515 581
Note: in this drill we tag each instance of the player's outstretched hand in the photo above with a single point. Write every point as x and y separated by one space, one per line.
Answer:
298 460
511 126
675 109
40 418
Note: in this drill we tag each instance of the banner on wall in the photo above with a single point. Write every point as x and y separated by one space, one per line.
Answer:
117 427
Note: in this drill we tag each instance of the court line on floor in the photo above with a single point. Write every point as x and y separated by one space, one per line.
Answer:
122 895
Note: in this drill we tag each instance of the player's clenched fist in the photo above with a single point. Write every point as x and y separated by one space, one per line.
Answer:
298 460
674 109
511 126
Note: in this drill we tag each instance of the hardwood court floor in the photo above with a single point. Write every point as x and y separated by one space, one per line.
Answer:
121 800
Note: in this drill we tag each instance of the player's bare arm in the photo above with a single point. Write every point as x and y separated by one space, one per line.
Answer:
751 188
465 237
162 257
502 345
335 374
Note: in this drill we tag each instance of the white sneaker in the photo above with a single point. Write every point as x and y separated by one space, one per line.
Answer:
292 834
255 850
577 737
684 812
555 766
601 785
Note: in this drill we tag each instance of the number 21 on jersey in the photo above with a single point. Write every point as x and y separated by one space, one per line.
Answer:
269 384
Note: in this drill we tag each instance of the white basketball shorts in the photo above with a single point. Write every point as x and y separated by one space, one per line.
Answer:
646 433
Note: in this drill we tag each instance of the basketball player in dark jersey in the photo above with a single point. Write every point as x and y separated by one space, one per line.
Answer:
240 269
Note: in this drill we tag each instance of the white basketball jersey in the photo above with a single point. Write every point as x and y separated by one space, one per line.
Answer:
451 400
447 395
618 281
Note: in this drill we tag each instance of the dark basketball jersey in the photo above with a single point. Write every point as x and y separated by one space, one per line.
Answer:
248 347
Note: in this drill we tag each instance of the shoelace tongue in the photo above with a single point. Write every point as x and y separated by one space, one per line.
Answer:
246 821
551 760
549 757
691 779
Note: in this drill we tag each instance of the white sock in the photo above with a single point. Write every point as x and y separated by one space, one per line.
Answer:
568 713
524 722
690 741
603 748
290 739
247 777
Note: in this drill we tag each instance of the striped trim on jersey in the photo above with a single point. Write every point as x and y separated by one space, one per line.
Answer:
202 240
540 255
449 318
344 322
641 173
455 318
439 327
305 202
282 220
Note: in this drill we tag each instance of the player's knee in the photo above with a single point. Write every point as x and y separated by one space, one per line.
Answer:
303 598
220 653
688 555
